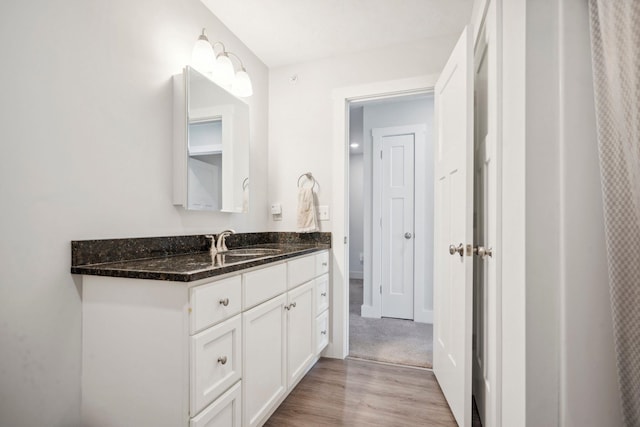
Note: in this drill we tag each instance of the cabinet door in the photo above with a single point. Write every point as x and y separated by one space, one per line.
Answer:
216 362
322 331
322 294
224 412
264 376
300 338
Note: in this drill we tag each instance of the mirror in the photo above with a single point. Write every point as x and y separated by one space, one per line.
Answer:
211 158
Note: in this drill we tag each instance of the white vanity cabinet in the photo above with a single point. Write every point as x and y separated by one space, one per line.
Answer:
280 336
223 351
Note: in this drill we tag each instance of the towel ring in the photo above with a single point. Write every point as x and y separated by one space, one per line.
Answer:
309 177
245 183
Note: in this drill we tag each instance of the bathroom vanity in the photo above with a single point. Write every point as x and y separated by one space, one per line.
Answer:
182 340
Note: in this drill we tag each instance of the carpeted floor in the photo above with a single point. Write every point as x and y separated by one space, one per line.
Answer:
398 341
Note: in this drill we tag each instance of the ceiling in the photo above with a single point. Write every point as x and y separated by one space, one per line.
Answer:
283 32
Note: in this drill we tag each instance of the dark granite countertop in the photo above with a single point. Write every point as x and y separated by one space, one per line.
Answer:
185 258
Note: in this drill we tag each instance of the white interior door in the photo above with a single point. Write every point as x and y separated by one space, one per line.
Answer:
453 228
394 184
486 338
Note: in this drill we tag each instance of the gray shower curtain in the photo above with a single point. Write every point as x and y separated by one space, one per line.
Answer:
615 45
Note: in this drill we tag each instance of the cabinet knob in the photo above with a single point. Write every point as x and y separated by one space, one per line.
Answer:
324 294
323 332
222 360
224 301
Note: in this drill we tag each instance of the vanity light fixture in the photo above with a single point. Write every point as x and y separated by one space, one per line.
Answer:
203 57
219 67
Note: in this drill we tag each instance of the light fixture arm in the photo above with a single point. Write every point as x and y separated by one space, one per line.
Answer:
203 36
214 44
239 60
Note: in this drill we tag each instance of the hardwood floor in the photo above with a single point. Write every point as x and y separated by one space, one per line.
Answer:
360 393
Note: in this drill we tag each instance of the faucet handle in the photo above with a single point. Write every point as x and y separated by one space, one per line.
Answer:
212 248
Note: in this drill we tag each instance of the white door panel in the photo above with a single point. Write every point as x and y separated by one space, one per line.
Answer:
454 227
486 343
393 213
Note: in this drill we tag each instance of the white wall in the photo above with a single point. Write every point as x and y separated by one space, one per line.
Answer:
86 128
564 371
356 194
300 112
543 214
589 394
400 112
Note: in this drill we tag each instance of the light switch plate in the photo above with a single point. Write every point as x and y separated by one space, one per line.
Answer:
323 213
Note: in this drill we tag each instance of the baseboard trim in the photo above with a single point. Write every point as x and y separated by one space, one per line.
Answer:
359 275
369 311
423 316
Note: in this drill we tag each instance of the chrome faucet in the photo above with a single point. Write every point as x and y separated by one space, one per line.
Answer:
221 246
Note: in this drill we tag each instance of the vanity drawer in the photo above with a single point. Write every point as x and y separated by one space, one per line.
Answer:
301 270
216 362
322 294
215 302
322 263
322 331
224 412
261 285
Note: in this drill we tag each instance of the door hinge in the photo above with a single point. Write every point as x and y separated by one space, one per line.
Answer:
380 221
380 153
345 240
380 289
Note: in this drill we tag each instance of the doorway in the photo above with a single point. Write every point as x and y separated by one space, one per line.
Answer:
390 237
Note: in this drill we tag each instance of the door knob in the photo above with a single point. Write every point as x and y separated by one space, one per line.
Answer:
407 235
459 249
483 252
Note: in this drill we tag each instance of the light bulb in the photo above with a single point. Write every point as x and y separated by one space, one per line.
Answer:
223 72
242 84
202 56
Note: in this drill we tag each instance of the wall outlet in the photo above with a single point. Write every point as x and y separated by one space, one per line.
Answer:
323 213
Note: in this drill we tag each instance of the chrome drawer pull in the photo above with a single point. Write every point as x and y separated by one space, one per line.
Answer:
324 264
323 332
222 360
324 294
224 302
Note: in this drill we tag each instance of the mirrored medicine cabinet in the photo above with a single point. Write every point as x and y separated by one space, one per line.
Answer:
211 145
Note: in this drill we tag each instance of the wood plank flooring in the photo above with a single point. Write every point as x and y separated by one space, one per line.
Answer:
360 393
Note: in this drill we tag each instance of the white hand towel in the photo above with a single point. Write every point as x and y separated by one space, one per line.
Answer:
307 222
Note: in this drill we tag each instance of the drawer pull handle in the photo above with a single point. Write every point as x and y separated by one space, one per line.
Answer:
222 360
288 307
293 304
224 302
324 294
324 264
323 332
